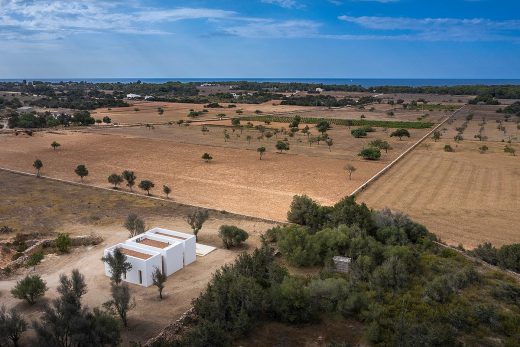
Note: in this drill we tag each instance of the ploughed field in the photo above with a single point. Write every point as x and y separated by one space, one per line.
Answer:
235 180
465 197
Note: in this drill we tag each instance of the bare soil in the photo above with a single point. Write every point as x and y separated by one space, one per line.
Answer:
33 205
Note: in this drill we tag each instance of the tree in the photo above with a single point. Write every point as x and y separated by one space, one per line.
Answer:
118 264
509 149
81 171
115 179
323 126
67 323
207 157
235 122
400 133
196 219
107 120
121 302
329 143
158 279
436 135
12 326
38 166
55 145
130 178
226 136
134 225
248 138
166 190
261 150
381 144
483 149
358 133
448 148
282 146
63 243
370 153
231 235
458 138
350 169
30 288
146 185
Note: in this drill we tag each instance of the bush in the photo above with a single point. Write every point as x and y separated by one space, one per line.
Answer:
232 236
448 148
509 257
487 252
358 133
63 243
35 259
291 302
30 288
370 153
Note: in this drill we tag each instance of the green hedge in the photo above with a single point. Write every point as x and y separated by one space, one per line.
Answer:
347 122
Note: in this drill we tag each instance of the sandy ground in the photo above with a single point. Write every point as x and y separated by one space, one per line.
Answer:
236 180
102 212
464 197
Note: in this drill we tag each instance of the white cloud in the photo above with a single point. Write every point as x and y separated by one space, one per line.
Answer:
36 19
439 29
283 3
275 29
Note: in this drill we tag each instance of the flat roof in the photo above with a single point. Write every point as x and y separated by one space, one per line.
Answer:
135 254
169 235
153 243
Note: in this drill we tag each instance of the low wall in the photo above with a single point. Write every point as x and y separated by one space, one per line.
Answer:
174 330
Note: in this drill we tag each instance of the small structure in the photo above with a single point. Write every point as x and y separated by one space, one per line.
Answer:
341 264
133 96
160 248
319 90
143 262
187 240
25 109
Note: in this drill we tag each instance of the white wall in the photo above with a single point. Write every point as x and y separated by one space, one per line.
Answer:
188 241
146 266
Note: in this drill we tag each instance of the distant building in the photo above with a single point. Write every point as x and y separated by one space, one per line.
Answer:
133 96
25 109
148 97
319 90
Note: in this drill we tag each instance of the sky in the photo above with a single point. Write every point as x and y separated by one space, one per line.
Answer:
260 39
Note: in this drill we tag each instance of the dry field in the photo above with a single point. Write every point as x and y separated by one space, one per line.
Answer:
39 205
236 180
464 197
147 112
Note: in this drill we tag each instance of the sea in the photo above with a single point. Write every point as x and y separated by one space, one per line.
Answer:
364 82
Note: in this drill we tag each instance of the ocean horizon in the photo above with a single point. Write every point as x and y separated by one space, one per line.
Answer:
364 82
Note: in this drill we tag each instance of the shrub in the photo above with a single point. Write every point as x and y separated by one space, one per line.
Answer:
291 302
448 148
509 257
487 252
400 133
30 288
370 153
358 133
232 236
207 157
35 259
6 230
63 243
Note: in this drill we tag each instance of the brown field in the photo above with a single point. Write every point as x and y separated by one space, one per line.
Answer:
39 205
147 112
236 180
464 197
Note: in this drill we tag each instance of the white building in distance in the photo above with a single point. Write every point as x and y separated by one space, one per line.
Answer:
133 96
164 249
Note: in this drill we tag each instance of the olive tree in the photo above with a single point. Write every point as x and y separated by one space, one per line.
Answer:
350 169
232 236
38 164
29 288
282 146
146 185
400 133
207 157
118 264
134 224
196 219
261 151
82 171
166 190
115 179
12 326
130 178
55 145
121 302
158 279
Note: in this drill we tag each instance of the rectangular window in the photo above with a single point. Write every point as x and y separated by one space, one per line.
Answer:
140 277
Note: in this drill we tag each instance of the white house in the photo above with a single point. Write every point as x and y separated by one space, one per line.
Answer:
187 240
133 96
172 251
143 262
160 248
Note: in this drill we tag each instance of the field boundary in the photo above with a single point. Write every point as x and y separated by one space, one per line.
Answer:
402 155
157 198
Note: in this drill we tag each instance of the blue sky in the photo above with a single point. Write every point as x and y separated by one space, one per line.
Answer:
260 38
